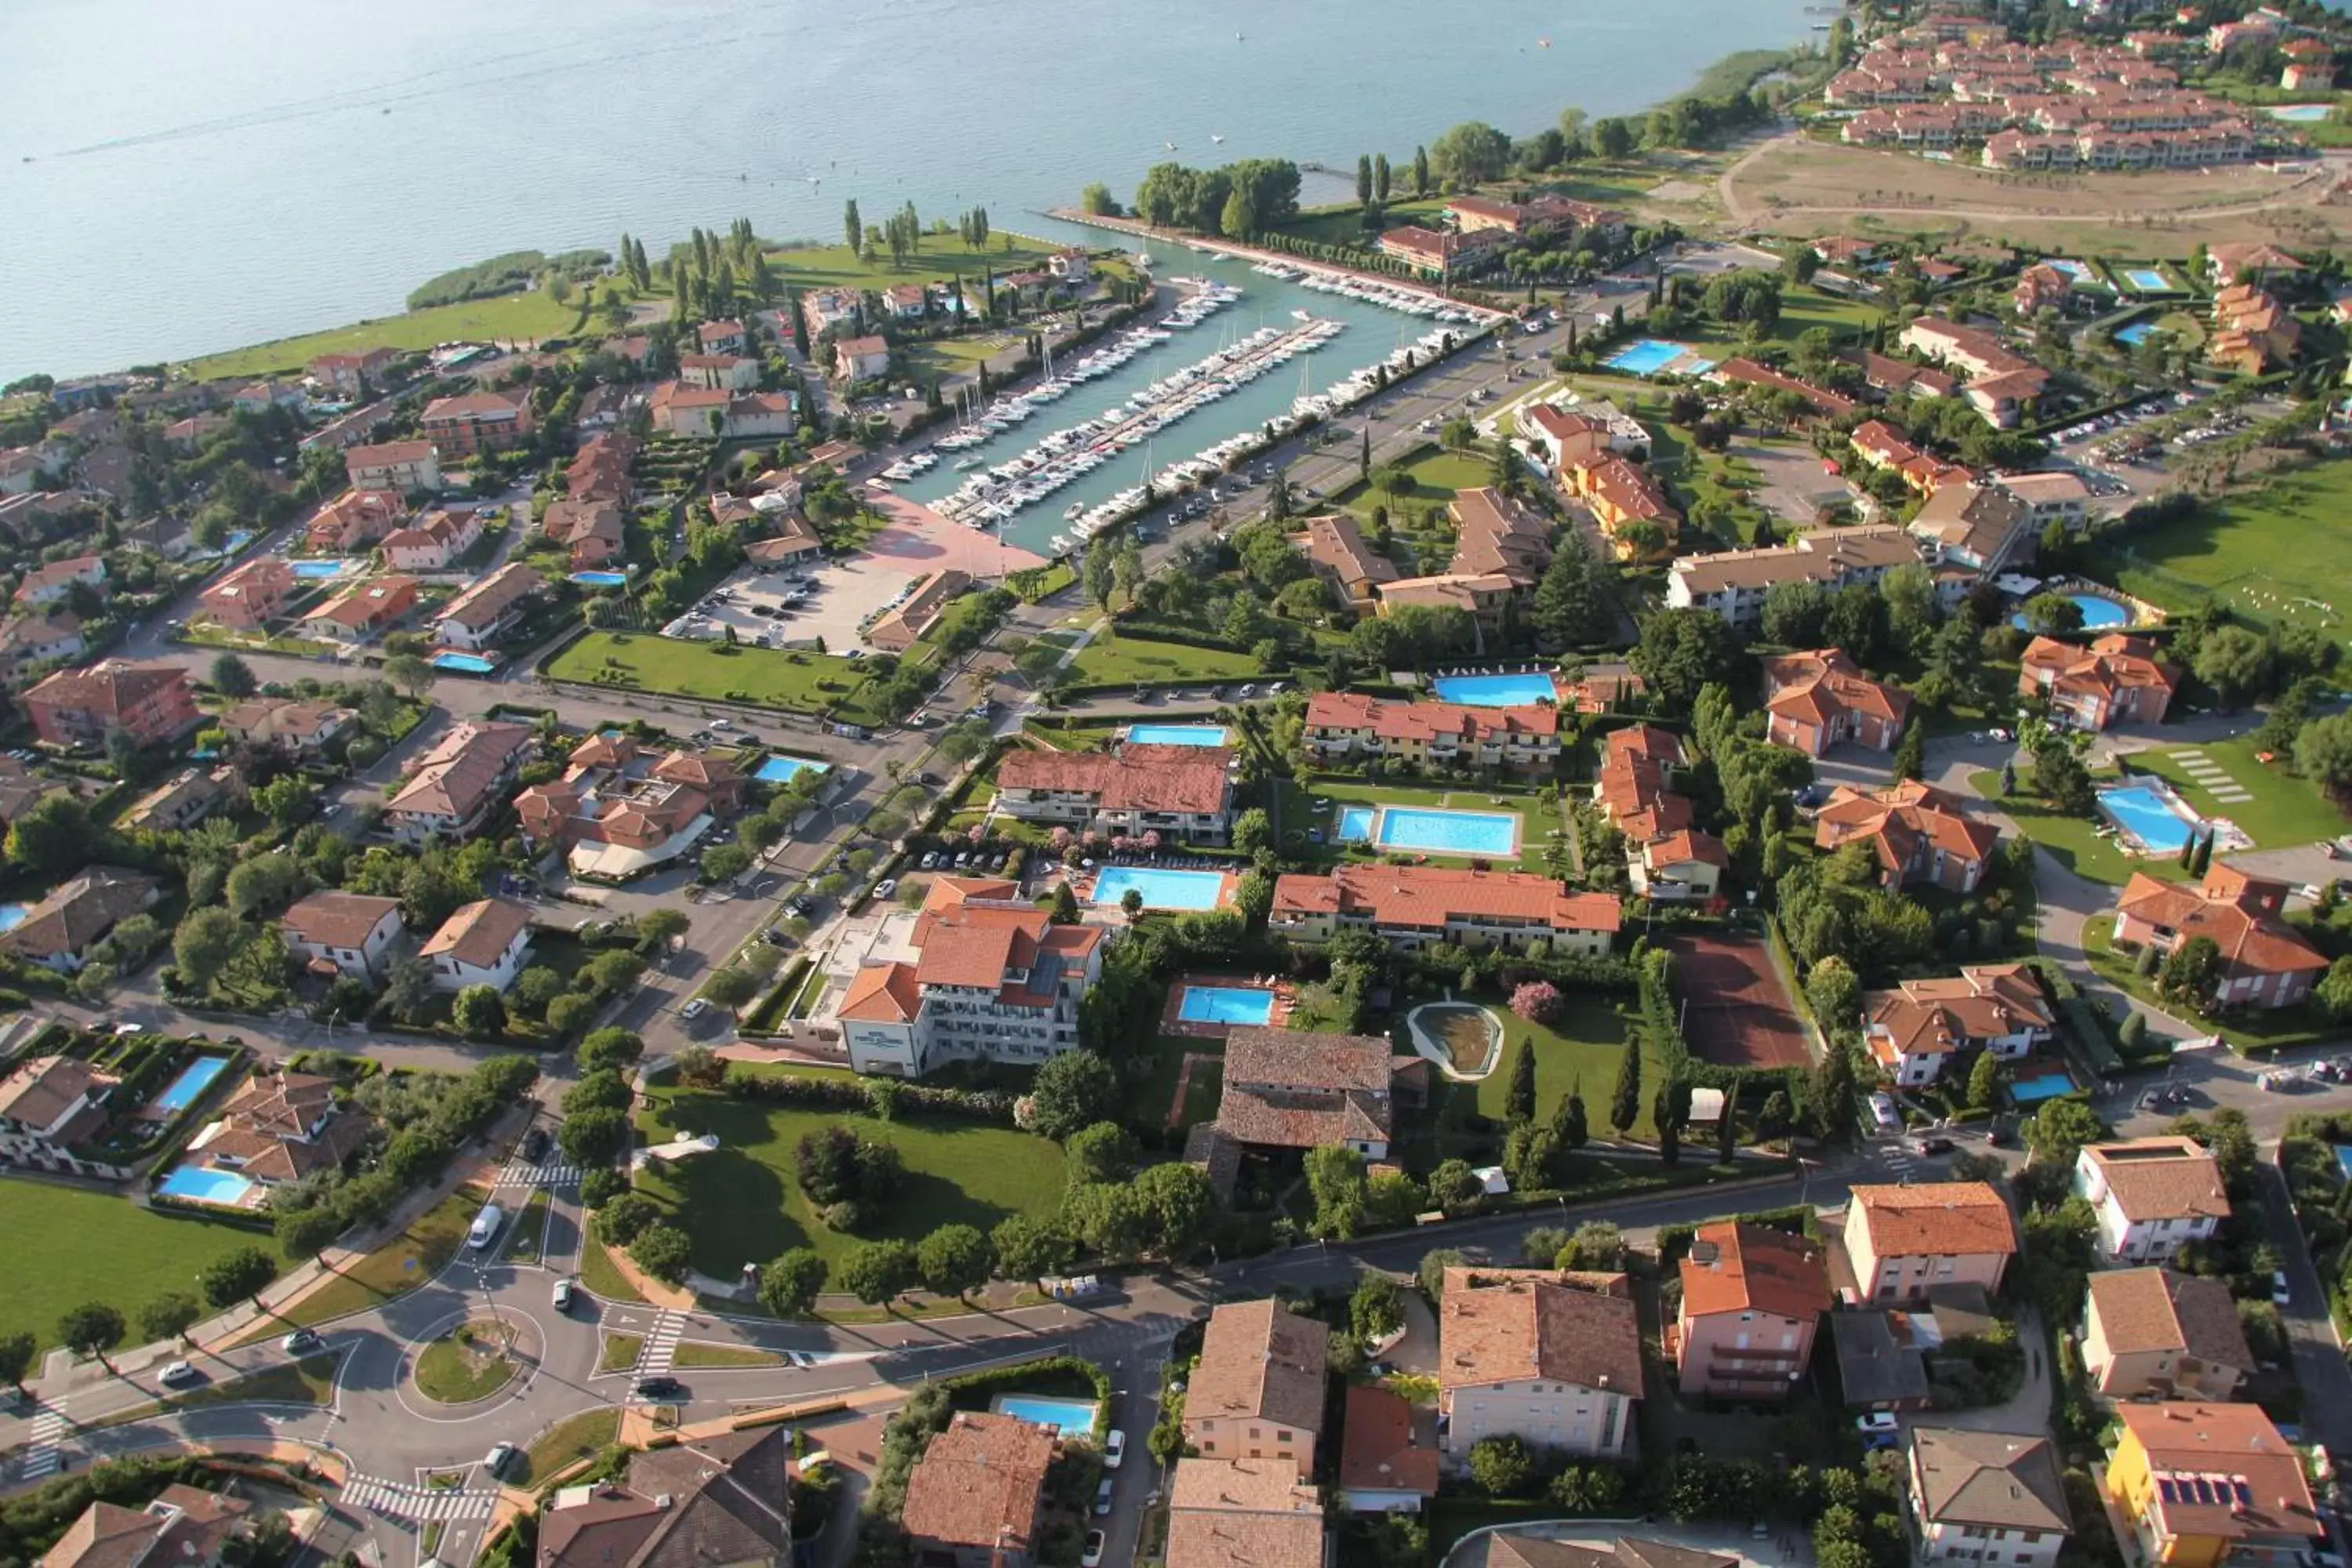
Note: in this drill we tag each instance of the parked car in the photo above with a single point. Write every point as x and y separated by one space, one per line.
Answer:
500 1457
179 1374
885 887
2282 1293
1883 1111
1114 1449
1102 1495
1092 1556
301 1341
1879 1429
929 861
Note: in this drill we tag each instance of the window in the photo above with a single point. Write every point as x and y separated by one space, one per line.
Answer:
2029 1536
1282 1437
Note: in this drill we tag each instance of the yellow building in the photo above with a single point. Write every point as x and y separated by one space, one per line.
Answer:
2205 1484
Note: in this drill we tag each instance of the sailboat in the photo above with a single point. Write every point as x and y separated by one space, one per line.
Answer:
1217 139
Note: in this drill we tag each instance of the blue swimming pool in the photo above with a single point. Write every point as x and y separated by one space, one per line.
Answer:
1448 832
1177 734
1070 1418
1496 690
2302 113
464 663
2099 613
12 916
201 1184
2148 279
600 579
1162 890
2080 271
316 569
2138 332
1648 356
191 1081
1225 1005
2142 813
2048 1085
779 768
1356 823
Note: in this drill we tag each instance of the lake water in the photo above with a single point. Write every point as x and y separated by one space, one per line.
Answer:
205 176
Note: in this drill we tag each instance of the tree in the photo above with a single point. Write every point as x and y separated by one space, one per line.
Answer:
731 987
1537 1001
1253 831
1097 199
1834 993
2234 662
1613 138
2334 990
953 1260
1575 605
16 1352
1066 905
1598 1244
1377 1308
1421 171
55 835
2191 972
664 1251
90 1331
1519 1099
409 673
1101 1153
570 1012
1984 1079
623 1217
1681 651
205 943
594 1137
232 677
1501 1467
239 1276
876 1271
304 1232
724 863
600 1090
789 1285
169 1316
610 1047
2053 614
2323 754
1335 1178
853 231
1568 1124
1625 1099
479 1013
1910 761
1470 153
1029 1248
2056 1133
1075 1089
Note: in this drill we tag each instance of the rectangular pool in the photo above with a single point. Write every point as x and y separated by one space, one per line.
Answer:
2344 1160
2148 279
464 663
2147 817
12 916
1648 356
1448 832
190 1082
600 579
778 768
2033 1091
1070 1418
1162 890
1177 734
322 569
1356 823
2080 271
202 1184
1225 1005
1496 690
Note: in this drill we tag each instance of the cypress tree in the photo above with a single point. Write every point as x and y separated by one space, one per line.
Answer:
1519 1103
1568 1126
1625 1099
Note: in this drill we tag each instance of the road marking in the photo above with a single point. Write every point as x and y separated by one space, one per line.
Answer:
523 1174
425 1505
660 1346
41 1455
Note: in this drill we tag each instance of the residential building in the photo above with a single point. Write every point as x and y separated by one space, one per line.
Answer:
304 728
1178 792
2210 1485
1386 1463
825 308
2153 1333
983 976
152 703
1551 1358
353 933
1679 867
1484 599
724 1498
2000 384
723 337
1740 371
184 1527
903 625
719 373
2254 262
1881 1357
1563 438
1287 1088
484 943
2253 332
2055 496
1344 724
861 359
455 783
181 801
363 610
1509 1549
1979 528
434 541
354 521
1258 1390
1495 535
1410 907
280 1126
184 435
2116 679
619 811
2151 1194
1987 1497
57 932
1751 1302
600 469
43 637
1620 494
250 595
1917 833
474 422
349 375
1440 252
596 530
1242 1513
1885 373
483 614
401 466
1071 265
2265 962
1820 698
1341 556
47 1106
21 789
2041 288
976 1497
53 583
1881 445
1912 1030
1901 1240
1733 582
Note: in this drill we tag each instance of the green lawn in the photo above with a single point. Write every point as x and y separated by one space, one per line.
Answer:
742 1204
1584 1046
1438 477
1344 223
1112 658
1155 1090
694 1353
2257 1033
768 677
67 1247
1318 806
529 314
398 1267
469 1362
941 257
573 1438
2285 810
2070 838
957 356
2279 556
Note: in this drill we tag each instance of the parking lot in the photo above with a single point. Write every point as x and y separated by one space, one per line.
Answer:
823 602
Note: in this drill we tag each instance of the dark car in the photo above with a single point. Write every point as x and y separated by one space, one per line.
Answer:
659 1388
1936 1145
534 1143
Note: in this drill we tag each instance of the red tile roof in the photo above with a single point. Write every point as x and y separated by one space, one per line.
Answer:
1816 686
1936 1219
1429 721
1427 897
1136 778
1733 1267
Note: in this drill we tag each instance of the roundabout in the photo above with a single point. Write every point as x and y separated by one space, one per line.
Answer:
468 1362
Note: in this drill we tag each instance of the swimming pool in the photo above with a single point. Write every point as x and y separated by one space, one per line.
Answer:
2145 815
1225 1005
203 1184
600 579
1162 890
779 768
317 569
2099 613
2138 332
1648 356
2048 1085
182 1091
1356 823
2302 113
1177 734
1448 832
2148 279
12 916
1070 1418
2080 271
1496 690
467 663
2343 1159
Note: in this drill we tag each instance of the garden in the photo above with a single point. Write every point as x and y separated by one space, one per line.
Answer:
1316 807
68 1245
799 681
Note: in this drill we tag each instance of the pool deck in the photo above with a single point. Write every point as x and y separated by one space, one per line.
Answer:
1285 998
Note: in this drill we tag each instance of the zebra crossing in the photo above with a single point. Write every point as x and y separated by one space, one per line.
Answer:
425 1505
654 1357
41 1456
524 1173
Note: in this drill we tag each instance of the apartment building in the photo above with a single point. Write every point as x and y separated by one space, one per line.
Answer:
1901 1240
474 422
2153 1333
1821 698
455 784
2152 1196
154 704
1181 792
1342 725
2203 1485
2116 679
1414 906
1912 1030
1751 1303
1732 584
1917 833
399 467
1257 1393
1987 1497
1551 1358
2265 962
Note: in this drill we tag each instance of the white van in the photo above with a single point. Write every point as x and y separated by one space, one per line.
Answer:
485 1225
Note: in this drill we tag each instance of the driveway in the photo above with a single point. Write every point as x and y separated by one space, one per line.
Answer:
2028 1410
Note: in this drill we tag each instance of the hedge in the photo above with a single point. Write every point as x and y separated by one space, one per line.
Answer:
852 1095
1797 1219
1023 1372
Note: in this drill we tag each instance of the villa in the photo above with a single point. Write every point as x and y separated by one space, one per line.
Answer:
596 529
1882 447
474 422
728 1495
1284 1089
354 374
47 1105
2118 679
433 540
1815 701
1245 1513
719 373
154 704
346 933
976 1497
1337 549
483 943
304 728
2153 1333
861 359
1983 1497
1999 383
1550 1357
1902 1241
2264 962
1344 724
484 613
2211 1483
1916 832
1410 907
59 931
352 521
401 466
54 583
248 596
1620 494
47 636
1665 857
1180 792
182 1527
1912 1030
1257 1390
357 613
181 801
2153 1195
282 1125
618 813
455 783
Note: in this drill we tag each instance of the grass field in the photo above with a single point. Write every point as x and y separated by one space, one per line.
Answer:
1585 1047
398 1267
1155 1091
2278 556
469 1362
529 314
1438 477
1344 225
694 1353
67 1247
1110 657
742 1204
573 1438
769 677
2285 810
603 1281
619 1353
941 257
2070 840
1320 806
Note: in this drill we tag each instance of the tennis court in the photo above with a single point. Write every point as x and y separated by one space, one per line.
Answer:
1736 1013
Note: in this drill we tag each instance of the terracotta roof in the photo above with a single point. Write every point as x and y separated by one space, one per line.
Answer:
45 1088
1377 1451
1901 821
1817 685
1509 1549
109 688
1643 741
486 601
1733 1267
978 1483
1244 1486
1335 543
480 933
883 993
1428 721
2220 1470
470 406
1514 1324
1189 779
1297 1059
388 454
2160 1178
1999 1479
78 912
1242 1513
1826 555
1427 897
463 765
2154 1309
2250 940
183 1523
1936 1219
1260 1361
1495 535
1935 1017
709 1499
